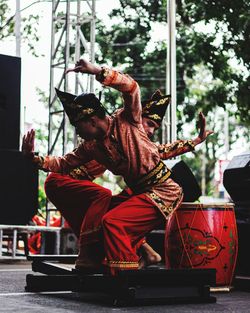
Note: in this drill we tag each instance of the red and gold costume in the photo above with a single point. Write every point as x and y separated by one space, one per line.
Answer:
126 151
70 193
75 193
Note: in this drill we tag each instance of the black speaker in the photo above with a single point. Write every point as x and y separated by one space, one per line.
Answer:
10 79
18 188
236 178
183 176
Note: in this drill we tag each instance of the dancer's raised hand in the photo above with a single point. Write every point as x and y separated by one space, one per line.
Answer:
28 144
203 133
84 66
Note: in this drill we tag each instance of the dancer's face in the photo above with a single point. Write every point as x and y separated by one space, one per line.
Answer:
149 126
92 128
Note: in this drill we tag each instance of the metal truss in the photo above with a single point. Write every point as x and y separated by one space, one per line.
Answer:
69 19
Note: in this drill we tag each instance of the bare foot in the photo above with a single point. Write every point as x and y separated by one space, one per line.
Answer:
149 256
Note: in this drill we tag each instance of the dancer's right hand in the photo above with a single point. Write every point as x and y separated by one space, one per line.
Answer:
84 66
28 144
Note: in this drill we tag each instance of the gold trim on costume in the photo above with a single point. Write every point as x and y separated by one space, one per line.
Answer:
191 144
39 161
154 116
80 173
162 101
91 231
165 210
83 113
123 264
158 174
176 145
148 106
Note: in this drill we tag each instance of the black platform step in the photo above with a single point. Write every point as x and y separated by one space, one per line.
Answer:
53 257
155 285
242 283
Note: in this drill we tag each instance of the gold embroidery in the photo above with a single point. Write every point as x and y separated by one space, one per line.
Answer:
152 172
105 72
191 144
39 161
83 113
166 210
157 175
87 111
122 264
147 106
180 145
154 116
87 232
162 101
81 173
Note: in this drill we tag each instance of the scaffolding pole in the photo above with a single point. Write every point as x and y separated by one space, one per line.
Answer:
69 20
169 125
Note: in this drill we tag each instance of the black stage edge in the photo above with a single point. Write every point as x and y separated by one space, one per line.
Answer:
62 258
242 283
154 285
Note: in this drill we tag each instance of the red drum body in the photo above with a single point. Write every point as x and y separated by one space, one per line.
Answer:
203 236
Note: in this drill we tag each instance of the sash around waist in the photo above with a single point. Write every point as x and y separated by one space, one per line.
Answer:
159 174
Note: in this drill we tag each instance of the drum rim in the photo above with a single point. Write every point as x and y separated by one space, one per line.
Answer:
192 205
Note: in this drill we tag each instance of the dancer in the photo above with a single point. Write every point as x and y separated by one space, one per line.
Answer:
121 145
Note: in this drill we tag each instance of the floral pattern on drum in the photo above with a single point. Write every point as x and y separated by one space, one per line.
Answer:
201 236
200 246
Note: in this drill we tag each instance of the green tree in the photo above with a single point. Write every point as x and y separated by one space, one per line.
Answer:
29 26
212 60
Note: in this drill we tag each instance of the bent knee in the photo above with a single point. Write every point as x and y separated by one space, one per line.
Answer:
107 220
51 184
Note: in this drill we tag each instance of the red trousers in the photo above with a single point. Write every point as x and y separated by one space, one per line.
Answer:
108 226
124 227
75 199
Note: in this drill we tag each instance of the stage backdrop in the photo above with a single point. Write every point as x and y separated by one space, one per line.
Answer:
10 78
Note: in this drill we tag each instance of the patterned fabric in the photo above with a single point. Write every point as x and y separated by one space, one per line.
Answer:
156 107
166 210
77 199
157 175
125 150
171 150
90 170
78 107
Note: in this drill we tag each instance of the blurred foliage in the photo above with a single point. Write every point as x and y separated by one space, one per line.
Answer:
127 45
29 27
212 63
41 199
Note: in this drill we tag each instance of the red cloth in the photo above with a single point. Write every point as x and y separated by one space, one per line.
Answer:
74 197
126 225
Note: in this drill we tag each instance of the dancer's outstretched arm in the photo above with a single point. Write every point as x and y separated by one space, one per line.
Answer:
124 83
50 163
171 150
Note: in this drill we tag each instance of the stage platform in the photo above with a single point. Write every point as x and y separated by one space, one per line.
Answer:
14 298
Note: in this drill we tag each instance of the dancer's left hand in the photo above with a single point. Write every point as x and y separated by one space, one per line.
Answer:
203 133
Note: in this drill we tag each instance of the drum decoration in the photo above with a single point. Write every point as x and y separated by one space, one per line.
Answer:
203 236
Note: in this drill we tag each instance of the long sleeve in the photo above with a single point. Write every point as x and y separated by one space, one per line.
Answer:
90 170
65 163
128 87
171 150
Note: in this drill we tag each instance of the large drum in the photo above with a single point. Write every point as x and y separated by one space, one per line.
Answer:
203 236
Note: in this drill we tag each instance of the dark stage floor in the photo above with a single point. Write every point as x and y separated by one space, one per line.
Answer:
13 298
